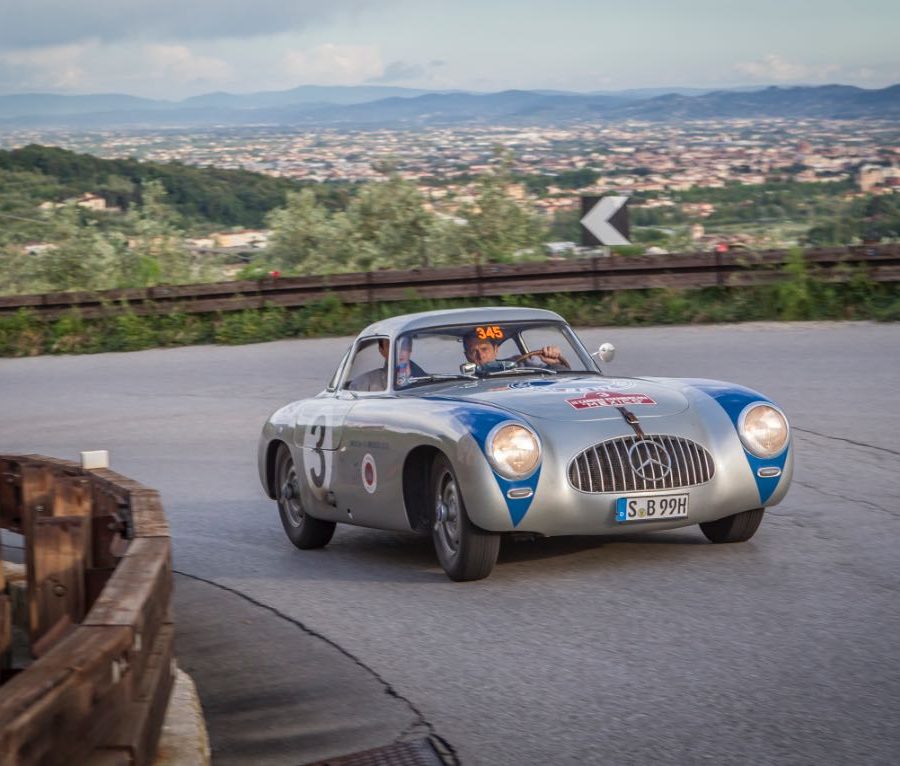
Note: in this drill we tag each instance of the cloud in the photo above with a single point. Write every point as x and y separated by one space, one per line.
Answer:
163 70
37 23
398 71
403 71
775 68
58 68
332 64
179 63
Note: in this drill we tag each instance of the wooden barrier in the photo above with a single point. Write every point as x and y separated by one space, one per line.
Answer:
100 626
880 263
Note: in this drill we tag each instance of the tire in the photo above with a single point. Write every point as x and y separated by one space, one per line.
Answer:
464 551
302 530
735 528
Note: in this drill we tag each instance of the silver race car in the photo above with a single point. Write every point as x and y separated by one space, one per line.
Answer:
472 423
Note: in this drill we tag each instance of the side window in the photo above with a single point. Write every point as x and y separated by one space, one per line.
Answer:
368 368
332 384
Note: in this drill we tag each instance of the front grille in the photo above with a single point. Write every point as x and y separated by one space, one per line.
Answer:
631 464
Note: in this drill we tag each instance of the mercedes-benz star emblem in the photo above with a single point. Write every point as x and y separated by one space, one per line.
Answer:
649 460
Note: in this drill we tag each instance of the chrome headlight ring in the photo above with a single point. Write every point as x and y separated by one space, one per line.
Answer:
513 450
764 430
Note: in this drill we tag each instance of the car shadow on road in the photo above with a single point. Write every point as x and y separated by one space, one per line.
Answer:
513 550
377 556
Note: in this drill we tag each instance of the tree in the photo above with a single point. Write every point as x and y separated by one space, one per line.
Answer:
306 239
499 229
156 252
78 256
391 227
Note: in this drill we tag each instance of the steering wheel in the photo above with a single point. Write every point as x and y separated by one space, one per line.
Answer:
523 357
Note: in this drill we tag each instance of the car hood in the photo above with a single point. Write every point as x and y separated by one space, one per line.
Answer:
586 398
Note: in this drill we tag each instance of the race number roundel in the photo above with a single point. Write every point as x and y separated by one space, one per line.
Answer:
369 473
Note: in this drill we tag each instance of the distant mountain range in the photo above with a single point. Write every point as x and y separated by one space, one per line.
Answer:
374 106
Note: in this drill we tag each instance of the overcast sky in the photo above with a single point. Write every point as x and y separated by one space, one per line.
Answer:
177 48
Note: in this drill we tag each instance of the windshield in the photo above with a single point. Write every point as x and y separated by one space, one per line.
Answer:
487 350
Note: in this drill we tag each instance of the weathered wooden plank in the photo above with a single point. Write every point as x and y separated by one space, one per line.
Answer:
137 595
108 526
66 466
5 628
52 636
58 548
72 496
64 705
141 725
166 293
37 492
115 482
147 514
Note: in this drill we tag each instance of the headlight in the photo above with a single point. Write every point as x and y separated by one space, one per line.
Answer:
513 450
763 430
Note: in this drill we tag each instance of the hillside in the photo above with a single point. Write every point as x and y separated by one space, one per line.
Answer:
220 196
381 106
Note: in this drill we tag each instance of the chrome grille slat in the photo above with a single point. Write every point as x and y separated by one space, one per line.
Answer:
606 467
608 463
695 459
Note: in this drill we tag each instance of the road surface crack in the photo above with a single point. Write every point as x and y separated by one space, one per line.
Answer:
848 441
839 496
421 722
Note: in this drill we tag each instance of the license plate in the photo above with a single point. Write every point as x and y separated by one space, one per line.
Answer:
653 508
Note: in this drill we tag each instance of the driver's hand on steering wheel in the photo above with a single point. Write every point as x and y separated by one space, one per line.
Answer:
549 355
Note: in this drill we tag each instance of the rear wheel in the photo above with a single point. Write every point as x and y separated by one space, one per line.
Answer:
735 528
465 551
303 530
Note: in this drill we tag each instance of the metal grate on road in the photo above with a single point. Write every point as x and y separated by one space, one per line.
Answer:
417 753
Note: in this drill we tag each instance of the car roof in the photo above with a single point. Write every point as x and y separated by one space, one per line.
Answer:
475 316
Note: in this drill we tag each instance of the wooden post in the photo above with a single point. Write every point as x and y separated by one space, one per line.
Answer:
37 493
5 617
10 494
57 551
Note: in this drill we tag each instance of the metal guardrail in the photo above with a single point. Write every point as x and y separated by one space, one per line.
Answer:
99 622
880 263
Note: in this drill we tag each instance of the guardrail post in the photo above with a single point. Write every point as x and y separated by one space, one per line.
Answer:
56 591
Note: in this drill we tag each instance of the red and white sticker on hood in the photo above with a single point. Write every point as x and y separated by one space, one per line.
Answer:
608 399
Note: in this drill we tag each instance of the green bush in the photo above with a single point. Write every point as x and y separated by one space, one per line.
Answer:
22 334
129 332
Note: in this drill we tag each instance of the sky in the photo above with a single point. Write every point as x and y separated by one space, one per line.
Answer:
172 49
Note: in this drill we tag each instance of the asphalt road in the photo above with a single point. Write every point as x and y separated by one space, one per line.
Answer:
656 648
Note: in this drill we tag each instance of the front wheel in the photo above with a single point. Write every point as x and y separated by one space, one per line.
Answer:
302 530
465 551
735 528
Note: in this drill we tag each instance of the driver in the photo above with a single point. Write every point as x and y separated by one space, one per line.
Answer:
484 350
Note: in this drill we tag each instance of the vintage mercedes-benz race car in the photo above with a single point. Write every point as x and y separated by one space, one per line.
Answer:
474 423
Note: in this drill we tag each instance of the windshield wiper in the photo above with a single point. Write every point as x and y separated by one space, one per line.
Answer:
519 370
439 376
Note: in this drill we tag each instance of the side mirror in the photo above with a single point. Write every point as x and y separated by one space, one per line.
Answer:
468 368
605 353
